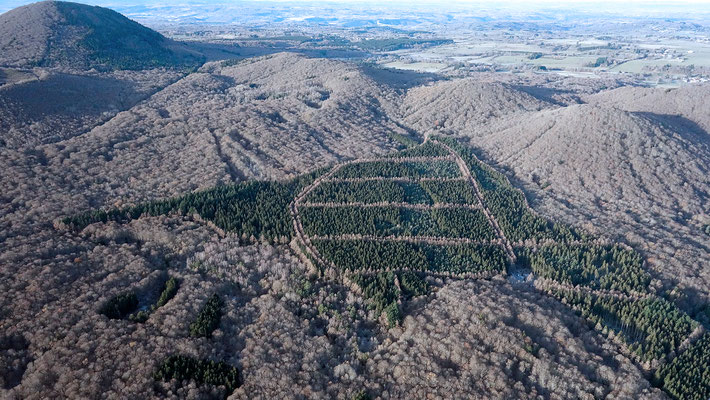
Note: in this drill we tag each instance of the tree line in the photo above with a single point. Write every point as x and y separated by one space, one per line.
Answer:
257 210
651 327
369 192
428 149
610 267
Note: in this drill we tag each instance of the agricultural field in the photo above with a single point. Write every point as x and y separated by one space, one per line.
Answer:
635 57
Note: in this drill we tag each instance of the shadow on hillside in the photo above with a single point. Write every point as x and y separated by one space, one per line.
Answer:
687 129
549 95
230 51
15 356
398 79
62 106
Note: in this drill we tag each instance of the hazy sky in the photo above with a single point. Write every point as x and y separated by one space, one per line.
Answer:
596 5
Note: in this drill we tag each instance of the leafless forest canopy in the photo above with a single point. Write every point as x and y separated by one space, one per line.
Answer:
332 142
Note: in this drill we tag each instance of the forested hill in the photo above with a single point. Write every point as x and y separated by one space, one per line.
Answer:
78 36
389 226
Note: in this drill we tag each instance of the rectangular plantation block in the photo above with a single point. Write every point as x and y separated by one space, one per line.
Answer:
410 169
466 223
456 192
369 192
428 149
358 255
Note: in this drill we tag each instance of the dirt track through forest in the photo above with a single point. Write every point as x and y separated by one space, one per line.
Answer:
411 239
392 205
494 223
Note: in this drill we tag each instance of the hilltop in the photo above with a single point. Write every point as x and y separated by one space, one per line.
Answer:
78 36
635 175
463 105
685 105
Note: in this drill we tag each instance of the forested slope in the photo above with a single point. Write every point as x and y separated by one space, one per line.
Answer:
604 283
220 125
598 165
425 286
78 36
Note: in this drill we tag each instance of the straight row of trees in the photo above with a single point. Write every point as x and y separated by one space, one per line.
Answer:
428 149
369 192
452 192
424 192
